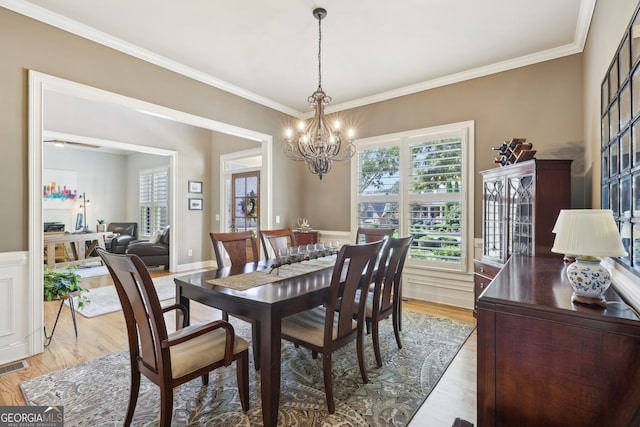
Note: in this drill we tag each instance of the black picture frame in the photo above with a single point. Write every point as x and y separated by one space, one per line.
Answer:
195 187
195 204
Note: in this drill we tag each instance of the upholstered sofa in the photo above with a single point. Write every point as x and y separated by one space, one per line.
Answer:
154 252
126 233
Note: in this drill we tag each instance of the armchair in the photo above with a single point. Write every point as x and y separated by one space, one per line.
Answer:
127 232
152 252
169 359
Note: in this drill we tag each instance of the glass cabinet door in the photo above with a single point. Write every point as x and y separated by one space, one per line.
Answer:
520 222
493 217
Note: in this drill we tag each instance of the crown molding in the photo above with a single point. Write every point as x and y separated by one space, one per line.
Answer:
30 10
36 12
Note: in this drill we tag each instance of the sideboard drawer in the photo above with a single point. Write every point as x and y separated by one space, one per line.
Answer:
306 237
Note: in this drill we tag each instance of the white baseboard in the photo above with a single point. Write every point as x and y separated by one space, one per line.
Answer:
196 266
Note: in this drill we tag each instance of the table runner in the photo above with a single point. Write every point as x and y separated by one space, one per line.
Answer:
242 282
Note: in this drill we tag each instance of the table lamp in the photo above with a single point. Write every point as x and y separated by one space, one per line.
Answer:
589 234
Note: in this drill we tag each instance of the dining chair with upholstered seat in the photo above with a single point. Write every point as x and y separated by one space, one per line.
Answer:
242 248
276 240
323 329
368 235
385 300
170 359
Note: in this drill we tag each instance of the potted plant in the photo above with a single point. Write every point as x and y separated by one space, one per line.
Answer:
60 284
102 226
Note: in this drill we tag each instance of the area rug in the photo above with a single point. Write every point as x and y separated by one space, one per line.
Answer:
95 393
89 269
105 300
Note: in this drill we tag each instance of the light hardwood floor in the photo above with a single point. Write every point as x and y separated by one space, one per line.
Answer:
454 396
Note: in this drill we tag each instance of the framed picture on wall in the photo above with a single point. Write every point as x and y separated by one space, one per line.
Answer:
195 204
195 186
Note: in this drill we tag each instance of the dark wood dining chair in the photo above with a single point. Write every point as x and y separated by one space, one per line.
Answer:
368 235
242 248
385 300
170 359
276 239
323 329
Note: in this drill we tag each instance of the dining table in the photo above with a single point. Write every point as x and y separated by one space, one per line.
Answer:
265 295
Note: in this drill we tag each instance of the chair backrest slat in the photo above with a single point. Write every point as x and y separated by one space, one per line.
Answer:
368 235
354 266
146 327
276 239
389 273
241 247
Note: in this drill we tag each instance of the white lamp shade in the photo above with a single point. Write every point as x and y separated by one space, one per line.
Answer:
587 232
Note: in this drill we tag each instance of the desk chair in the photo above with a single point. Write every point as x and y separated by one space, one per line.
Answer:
170 359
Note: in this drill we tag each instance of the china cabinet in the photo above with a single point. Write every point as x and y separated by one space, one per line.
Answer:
520 205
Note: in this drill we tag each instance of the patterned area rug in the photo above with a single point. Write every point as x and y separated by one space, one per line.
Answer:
105 300
93 395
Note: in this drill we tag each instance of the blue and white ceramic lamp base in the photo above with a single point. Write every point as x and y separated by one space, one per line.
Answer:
589 280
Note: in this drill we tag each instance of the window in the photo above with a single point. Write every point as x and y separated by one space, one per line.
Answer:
417 181
153 200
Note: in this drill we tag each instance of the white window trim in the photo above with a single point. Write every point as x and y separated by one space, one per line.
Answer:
466 130
152 172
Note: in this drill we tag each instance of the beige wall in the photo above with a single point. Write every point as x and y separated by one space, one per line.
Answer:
549 103
542 103
610 21
26 44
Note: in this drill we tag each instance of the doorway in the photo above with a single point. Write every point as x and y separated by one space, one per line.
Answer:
39 85
245 198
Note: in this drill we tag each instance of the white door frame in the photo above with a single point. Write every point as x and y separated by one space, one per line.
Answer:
225 177
39 83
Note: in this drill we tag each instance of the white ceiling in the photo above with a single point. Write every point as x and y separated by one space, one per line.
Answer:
372 50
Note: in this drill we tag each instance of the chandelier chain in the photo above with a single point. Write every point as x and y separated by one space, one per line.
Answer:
320 53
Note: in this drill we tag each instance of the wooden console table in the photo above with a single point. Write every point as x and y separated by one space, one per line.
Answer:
77 244
543 361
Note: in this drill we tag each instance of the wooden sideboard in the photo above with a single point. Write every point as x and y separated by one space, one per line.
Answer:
543 361
306 237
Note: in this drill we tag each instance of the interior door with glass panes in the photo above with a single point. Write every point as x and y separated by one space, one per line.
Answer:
245 201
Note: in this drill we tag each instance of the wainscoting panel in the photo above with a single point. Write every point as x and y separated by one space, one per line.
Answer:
436 286
14 307
7 312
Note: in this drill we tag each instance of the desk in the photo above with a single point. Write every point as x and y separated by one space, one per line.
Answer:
78 247
267 305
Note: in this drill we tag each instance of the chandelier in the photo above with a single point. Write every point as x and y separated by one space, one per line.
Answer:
318 143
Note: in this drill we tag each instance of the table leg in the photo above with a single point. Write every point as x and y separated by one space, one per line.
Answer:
184 301
270 335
